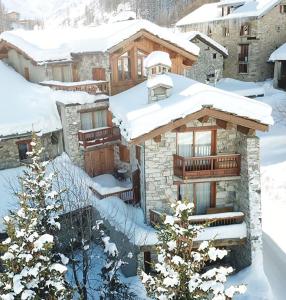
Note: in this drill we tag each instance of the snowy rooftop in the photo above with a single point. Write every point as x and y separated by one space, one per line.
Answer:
158 80
27 107
279 54
190 35
44 46
212 11
156 58
136 117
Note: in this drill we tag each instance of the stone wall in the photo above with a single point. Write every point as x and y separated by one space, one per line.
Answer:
9 153
206 63
70 117
265 36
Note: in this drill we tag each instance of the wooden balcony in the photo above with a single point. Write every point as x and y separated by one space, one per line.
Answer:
207 166
126 196
89 86
94 137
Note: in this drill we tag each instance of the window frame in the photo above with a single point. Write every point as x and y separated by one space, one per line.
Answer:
245 32
93 118
140 56
29 148
120 61
243 59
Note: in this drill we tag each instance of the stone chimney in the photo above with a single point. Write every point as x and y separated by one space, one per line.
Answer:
159 83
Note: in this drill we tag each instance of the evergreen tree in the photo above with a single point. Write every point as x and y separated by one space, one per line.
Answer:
181 271
32 267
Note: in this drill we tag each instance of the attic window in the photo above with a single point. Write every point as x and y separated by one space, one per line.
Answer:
283 9
124 66
245 30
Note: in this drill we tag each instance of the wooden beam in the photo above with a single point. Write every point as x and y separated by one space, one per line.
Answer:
224 124
184 128
245 130
204 119
157 139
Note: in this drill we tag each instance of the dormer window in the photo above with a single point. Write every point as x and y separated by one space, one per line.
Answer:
124 66
245 30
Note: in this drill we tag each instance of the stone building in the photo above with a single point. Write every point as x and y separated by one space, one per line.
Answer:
210 64
196 144
278 57
250 30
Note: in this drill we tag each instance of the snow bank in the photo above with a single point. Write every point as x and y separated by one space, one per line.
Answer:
279 54
137 117
44 46
108 184
157 57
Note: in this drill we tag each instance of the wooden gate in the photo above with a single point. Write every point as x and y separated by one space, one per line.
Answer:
99 161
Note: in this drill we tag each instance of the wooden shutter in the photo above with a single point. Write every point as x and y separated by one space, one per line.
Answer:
98 74
124 153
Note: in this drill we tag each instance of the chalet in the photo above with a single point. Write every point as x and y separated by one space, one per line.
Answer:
197 142
246 29
209 66
278 57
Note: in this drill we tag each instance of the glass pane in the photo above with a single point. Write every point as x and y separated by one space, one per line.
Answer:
203 143
203 197
139 67
187 192
185 144
120 70
100 117
86 121
127 68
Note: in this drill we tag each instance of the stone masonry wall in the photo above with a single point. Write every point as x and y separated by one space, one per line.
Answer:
206 63
70 117
9 153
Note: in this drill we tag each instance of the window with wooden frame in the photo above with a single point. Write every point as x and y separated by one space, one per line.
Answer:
23 148
124 66
94 119
245 30
141 73
124 153
243 58
283 9
202 194
194 143
98 74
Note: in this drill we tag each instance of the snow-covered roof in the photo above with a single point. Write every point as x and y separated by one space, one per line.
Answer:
191 35
279 54
27 107
136 117
160 80
157 57
212 11
45 46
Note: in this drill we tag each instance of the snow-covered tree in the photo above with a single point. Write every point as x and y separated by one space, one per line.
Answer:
33 269
181 270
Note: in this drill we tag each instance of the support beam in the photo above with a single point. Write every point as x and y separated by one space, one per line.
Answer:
245 130
204 119
224 124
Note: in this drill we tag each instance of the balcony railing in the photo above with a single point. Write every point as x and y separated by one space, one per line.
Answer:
207 166
89 86
93 137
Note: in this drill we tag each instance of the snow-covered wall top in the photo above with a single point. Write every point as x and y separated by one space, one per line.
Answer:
213 12
137 117
156 58
44 45
27 107
279 54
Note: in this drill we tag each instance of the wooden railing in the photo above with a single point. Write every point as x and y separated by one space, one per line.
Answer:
219 219
207 166
95 137
91 88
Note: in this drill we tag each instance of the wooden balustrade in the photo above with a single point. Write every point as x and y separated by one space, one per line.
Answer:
219 219
207 166
94 137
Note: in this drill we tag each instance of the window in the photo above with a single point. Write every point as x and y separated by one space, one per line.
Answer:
245 30
140 64
226 31
98 74
209 30
26 73
243 58
283 9
138 154
124 153
201 194
124 66
214 55
23 148
93 119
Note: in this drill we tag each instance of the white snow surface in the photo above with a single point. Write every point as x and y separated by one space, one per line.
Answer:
136 117
44 46
156 58
158 80
279 54
212 12
76 83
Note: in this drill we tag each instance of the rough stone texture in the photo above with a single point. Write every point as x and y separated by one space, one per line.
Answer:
206 63
9 153
89 61
70 117
266 35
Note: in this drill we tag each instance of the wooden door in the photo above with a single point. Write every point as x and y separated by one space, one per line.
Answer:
99 161
136 185
98 74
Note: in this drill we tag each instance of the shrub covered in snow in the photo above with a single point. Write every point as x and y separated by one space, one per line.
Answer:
181 271
32 267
